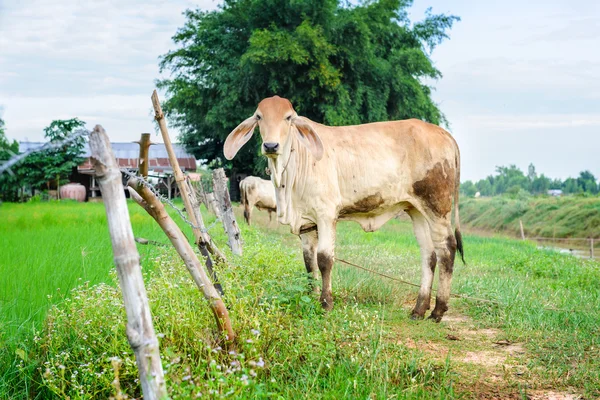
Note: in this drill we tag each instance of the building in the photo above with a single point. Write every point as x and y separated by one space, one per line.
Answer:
160 172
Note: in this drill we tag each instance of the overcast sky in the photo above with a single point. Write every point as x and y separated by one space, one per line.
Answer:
521 79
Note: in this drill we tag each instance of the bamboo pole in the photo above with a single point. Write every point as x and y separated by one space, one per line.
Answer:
145 198
140 330
227 216
203 239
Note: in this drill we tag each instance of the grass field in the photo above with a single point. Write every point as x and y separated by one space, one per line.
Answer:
541 337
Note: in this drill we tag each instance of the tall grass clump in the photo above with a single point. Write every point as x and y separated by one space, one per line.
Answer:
287 348
560 217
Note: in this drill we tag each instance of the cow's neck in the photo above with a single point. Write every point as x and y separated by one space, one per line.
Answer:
284 174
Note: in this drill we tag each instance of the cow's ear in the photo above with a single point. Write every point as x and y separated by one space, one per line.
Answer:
308 137
238 137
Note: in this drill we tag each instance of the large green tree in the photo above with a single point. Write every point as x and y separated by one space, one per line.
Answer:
338 64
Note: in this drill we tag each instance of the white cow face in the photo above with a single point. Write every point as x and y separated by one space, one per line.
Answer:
276 120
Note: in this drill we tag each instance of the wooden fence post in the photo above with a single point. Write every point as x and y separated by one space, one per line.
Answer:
143 162
592 248
203 240
522 231
140 330
227 216
213 205
145 198
200 194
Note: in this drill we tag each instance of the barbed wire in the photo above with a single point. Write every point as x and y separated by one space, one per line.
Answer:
163 199
76 134
5 166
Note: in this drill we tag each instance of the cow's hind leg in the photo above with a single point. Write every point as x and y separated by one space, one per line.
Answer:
428 262
309 251
445 249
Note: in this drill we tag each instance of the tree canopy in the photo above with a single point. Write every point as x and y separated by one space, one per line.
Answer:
44 169
338 64
511 180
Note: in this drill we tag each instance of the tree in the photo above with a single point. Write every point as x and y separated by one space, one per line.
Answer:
9 186
540 184
337 64
45 169
587 181
571 186
468 189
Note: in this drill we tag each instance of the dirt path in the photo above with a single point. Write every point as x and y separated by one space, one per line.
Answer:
489 366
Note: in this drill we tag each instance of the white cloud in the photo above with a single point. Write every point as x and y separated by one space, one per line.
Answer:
523 122
123 116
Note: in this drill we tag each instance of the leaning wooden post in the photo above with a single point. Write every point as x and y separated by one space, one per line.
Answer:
140 330
143 161
195 207
227 216
145 198
203 239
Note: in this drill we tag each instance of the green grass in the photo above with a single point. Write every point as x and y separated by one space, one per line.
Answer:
50 248
561 217
367 347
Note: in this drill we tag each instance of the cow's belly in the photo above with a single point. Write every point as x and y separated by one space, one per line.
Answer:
376 218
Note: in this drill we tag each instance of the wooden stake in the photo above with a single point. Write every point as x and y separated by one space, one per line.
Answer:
522 231
195 207
213 204
203 240
227 216
143 161
145 198
140 330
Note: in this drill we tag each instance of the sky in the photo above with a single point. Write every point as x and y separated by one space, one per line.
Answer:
520 85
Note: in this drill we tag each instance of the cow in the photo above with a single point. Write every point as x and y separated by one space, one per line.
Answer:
365 173
258 192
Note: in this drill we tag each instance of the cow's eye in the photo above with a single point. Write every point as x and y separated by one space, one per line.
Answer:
288 118
258 117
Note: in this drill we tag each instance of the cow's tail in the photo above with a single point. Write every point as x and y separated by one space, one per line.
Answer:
244 202
457 234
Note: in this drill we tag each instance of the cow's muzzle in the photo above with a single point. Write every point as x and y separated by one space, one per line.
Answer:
270 148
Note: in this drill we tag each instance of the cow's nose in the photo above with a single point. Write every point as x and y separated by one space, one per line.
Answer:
270 147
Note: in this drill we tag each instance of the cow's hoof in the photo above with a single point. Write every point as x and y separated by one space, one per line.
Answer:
416 316
435 318
327 303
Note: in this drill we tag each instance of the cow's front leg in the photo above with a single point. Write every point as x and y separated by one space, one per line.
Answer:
325 255
309 251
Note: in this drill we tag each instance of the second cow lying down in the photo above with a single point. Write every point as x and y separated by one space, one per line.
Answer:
364 173
258 192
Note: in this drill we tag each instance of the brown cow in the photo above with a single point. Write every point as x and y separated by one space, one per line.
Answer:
258 192
364 173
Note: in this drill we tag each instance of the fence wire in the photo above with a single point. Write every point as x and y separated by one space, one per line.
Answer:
164 199
76 134
5 166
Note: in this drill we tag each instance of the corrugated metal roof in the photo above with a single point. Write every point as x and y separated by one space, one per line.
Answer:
127 155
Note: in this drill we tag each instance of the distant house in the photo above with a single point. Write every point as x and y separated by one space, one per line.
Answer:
555 192
160 171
